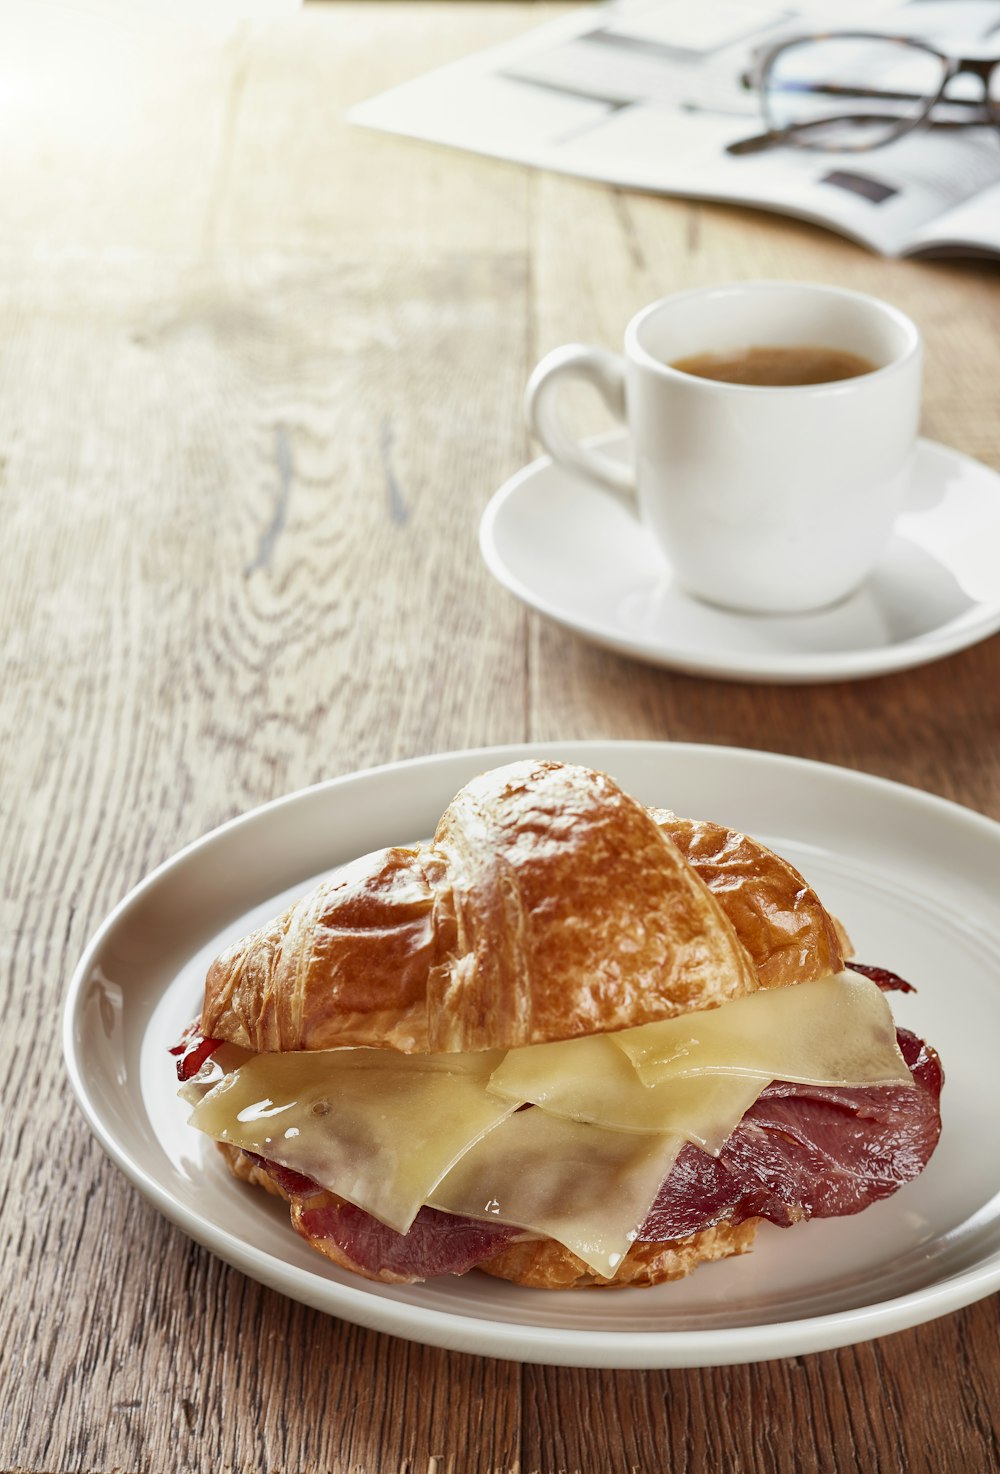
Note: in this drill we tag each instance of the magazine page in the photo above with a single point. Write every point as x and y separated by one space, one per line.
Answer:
650 95
972 228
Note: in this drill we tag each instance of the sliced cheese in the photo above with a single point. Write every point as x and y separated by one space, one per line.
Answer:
588 1188
220 1063
592 1080
836 1030
375 1127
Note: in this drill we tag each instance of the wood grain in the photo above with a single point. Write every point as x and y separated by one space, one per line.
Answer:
260 374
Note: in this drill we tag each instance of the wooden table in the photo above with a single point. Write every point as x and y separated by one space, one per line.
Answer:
261 374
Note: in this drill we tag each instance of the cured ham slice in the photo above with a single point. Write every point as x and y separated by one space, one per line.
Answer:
889 982
807 1151
192 1050
435 1243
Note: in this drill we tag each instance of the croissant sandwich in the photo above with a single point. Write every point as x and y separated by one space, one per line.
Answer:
571 1041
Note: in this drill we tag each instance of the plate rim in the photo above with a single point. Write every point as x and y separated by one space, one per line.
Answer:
467 1333
792 669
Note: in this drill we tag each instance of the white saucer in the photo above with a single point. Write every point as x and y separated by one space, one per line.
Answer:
576 555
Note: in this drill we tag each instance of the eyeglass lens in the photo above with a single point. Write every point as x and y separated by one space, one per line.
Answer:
849 92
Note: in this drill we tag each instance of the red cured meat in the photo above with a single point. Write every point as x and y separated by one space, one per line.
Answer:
435 1243
192 1050
807 1151
293 1183
889 982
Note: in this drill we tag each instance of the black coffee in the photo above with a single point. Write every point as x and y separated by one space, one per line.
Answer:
777 367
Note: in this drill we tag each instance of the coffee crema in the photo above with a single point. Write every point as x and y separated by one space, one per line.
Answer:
776 367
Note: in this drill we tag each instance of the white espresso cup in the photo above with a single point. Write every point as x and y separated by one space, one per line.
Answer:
765 499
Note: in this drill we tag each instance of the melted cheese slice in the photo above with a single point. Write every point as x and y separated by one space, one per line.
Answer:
834 1031
220 1063
588 1188
592 1080
375 1127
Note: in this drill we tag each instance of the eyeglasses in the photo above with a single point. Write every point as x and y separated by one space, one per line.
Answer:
856 90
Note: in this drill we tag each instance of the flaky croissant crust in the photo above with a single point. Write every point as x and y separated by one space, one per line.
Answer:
549 905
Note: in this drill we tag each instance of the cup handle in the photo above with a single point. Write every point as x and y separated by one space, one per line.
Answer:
606 372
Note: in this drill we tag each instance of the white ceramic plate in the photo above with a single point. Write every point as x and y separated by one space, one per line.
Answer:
574 553
912 876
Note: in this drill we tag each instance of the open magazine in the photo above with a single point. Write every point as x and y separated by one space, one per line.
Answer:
647 94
